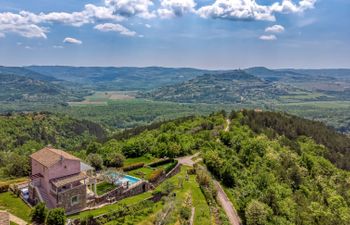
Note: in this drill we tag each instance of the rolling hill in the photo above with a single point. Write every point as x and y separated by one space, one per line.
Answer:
229 87
25 88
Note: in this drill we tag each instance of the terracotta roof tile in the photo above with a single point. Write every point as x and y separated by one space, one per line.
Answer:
49 156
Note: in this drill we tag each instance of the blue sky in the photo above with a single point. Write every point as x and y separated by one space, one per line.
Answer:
211 34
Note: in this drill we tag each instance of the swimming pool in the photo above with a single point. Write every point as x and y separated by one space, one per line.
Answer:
122 179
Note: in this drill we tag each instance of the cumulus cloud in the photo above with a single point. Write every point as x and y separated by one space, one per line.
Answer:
237 10
275 29
175 8
129 8
107 27
251 10
71 40
268 37
33 25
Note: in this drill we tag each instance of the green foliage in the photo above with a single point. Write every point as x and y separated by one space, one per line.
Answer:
95 160
185 213
257 213
156 174
39 213
116 159
293 127
133 166
56 217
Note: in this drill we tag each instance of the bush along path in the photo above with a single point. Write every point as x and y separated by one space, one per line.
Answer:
221 195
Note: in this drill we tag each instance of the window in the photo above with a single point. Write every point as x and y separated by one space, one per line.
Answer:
74 200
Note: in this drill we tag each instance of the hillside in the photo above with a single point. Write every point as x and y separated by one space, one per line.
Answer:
275 168
24 88
21 134
229 87
269 177
119 78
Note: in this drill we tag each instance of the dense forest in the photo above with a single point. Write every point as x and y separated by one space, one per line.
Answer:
276 168
22 134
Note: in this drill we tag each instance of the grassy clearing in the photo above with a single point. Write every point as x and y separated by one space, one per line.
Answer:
143 172
14 205
104 187
142 159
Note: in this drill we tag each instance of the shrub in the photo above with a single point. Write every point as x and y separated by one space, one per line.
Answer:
4 187
155 175
96 161
117 160
185 213
160 162
133 166
39 213
171 166
56 217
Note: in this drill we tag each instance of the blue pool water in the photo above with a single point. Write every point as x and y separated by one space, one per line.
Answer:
123 178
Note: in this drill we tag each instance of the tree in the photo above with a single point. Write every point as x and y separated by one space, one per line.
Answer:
168 187
56 217
257 213
17 165
96 161
116 159
93 147
39 213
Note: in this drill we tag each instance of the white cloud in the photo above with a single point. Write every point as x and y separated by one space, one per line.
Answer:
25 30
57 46
251 10
129 8
175 8
2 35
236 10
148 26
288 6
32 25
107 27
71 40
268 37
275 29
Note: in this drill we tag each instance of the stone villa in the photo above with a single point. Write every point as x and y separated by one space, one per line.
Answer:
60 180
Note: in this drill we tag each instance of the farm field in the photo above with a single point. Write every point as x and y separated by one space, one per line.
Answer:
102 97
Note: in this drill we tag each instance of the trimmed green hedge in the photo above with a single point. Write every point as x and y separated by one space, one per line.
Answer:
160 162
171 166
155 175
133 166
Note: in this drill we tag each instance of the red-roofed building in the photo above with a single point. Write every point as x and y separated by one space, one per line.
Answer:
57 180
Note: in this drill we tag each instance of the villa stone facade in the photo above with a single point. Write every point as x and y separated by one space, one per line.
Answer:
58 180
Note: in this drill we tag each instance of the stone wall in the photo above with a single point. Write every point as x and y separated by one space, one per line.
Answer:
64 199
121 193
171 173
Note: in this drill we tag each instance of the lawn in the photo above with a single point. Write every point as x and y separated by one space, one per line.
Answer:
104 187
143 172
14 205
142 159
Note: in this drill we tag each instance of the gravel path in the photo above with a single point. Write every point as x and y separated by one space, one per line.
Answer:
17 220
